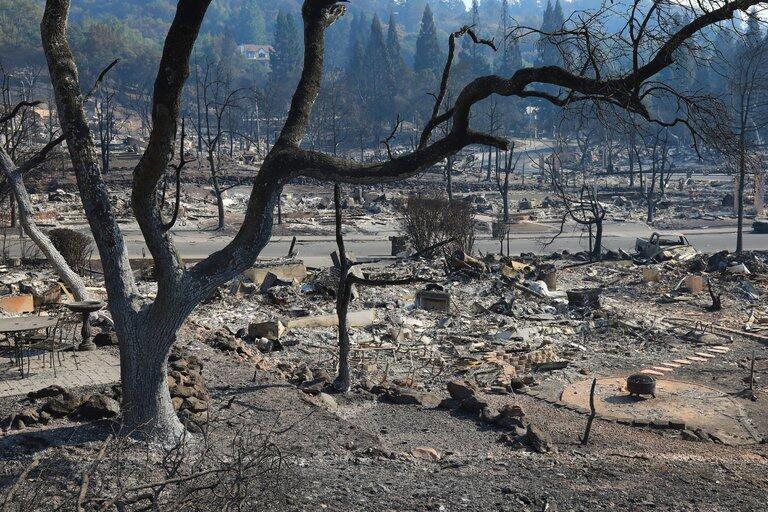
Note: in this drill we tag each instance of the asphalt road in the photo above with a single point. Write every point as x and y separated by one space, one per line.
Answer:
315 250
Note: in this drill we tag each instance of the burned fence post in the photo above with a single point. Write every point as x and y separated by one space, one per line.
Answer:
592 413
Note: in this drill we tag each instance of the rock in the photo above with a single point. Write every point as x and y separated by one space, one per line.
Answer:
689 435
328 402
267 346
272 330
425 453
538 440
489 415
195 404
183 391
313 387
177 401
193 421
462 389
106 339
97 407
510 417
473 404
58 407
516 383
449 403
323 375
379 389
407 396
178 364
28 415
48 392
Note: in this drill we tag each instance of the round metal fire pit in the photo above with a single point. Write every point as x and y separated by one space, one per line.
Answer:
641 384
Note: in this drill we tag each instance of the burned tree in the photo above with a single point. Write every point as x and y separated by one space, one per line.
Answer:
104 108
749 105
146 328
653 188
502 184
347 281
585 210
14 176
218 100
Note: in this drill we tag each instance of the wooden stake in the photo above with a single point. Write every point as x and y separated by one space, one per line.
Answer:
585 439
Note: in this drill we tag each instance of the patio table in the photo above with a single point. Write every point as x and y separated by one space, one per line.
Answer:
13 326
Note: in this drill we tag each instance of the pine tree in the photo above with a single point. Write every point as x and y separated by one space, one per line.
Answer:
380 76
558 18
356 43
284 61
247 24
548 53
428 54
356 64
394 49
509 59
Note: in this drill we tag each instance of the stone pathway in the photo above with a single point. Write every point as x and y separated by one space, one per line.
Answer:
701 356
93 368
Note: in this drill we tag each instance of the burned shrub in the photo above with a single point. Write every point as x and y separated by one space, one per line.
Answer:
430 220
223 469
75 247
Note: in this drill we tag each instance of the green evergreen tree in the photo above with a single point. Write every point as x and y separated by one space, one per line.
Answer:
394 49
284 61
247 24
428 53
509 58
475 56
379 80
547 52
356 46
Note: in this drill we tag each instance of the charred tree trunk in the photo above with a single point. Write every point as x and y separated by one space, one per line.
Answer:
505 203
631 156
217 192
740 193
343 296
146 400
597 248
12 209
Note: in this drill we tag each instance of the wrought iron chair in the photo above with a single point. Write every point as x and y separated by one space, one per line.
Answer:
60 338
